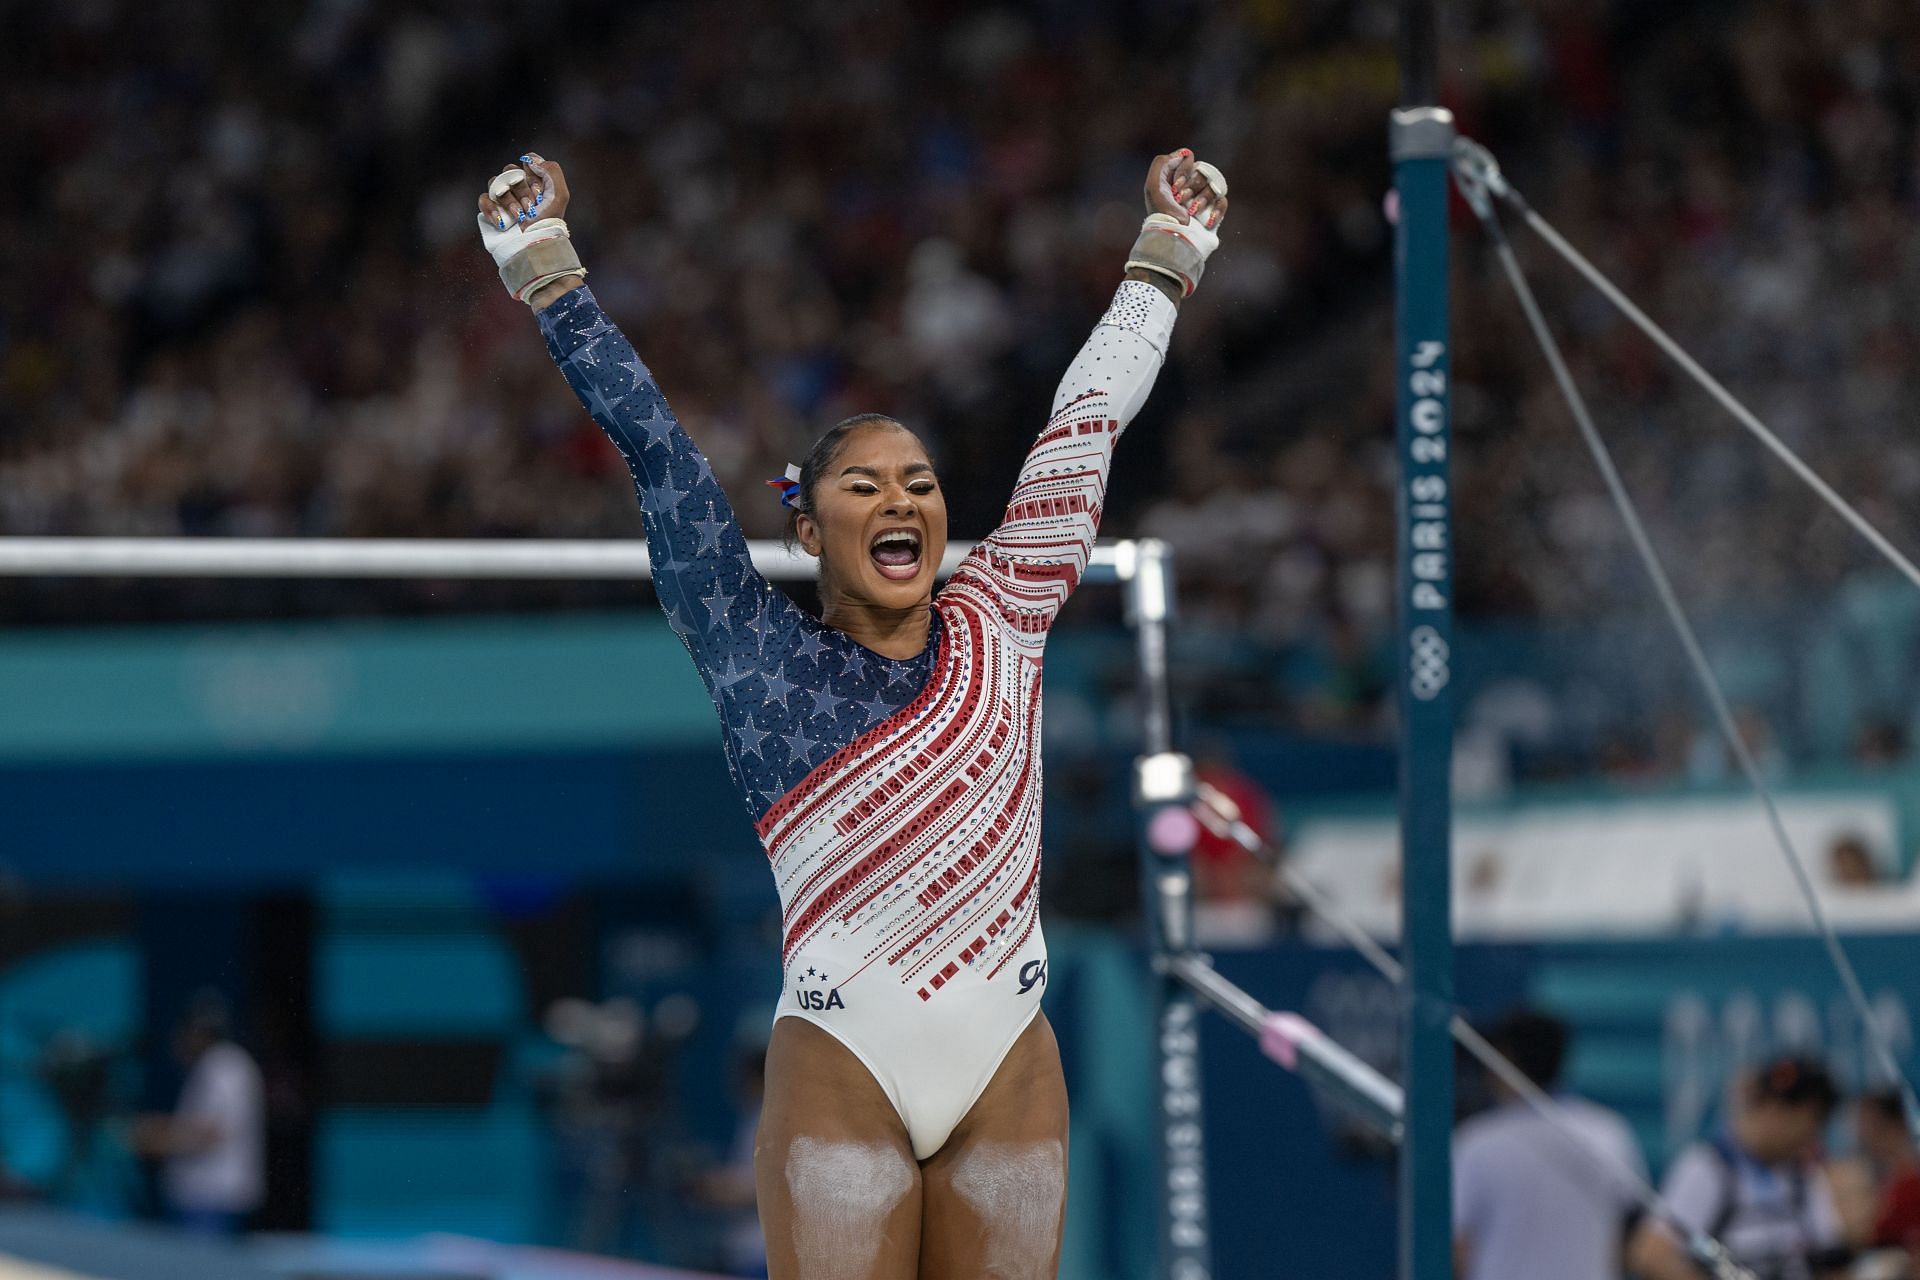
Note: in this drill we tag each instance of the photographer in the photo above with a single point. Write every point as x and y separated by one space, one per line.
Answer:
213 1145
1758 1186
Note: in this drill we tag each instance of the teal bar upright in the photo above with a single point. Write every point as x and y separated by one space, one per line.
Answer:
1422 141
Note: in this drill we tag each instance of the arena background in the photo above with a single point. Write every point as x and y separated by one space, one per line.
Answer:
401 824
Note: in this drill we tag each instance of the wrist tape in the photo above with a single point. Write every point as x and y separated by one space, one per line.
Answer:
531 258
1175 249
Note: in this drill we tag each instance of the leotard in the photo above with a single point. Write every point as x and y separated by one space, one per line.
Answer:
898 800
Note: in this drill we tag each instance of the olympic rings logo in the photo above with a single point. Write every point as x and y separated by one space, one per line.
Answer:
1427 660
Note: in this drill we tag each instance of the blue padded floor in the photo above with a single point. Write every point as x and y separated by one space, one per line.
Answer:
86 1247
42 1244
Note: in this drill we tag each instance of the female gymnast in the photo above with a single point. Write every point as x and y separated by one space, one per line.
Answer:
915 1118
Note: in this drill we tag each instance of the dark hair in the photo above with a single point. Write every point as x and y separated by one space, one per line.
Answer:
1887 1104
1533 1041
820 457
1793 1080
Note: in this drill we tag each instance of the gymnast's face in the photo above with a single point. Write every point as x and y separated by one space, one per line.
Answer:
879 522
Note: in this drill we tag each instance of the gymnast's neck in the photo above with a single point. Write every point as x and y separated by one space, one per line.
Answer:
891 633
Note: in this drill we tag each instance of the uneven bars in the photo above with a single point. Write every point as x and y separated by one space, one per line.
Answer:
409 558
1420 136
1300 1047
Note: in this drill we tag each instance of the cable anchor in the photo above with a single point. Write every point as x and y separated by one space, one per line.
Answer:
1480 179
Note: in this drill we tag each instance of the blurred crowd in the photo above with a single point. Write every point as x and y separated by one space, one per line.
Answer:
260 307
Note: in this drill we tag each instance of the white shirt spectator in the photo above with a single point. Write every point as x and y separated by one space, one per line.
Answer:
223 1090
1769 1217
1528 1203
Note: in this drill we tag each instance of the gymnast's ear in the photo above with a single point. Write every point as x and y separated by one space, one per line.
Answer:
806 532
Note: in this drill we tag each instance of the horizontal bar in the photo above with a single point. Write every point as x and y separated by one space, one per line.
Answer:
1299 1046
1288 1037
409 558
1196 974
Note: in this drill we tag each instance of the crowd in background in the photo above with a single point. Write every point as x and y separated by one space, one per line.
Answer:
255 303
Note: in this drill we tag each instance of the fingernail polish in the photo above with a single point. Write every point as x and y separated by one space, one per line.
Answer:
503 224
1194 207
523 160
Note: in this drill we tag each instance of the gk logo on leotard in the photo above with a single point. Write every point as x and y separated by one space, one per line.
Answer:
1032 974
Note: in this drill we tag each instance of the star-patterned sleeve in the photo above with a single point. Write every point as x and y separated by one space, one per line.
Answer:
1026 568
702 569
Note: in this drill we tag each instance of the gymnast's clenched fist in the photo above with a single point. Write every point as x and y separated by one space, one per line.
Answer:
522 228
1186 200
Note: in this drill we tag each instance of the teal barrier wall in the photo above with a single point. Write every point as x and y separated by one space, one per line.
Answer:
583 746
551 682
619 685
521 684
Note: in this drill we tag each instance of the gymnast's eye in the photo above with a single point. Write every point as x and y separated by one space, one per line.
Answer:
920 486
864 487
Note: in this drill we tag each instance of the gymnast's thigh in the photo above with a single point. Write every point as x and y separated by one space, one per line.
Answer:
838 1187
995 1196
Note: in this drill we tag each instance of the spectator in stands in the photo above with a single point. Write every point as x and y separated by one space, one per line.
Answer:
1850 863
1758 1186
213 1145
1710 760
1879 743
1880 1124
1528 1201
177 378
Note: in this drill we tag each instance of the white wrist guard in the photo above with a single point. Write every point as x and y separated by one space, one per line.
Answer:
528 259
1178 250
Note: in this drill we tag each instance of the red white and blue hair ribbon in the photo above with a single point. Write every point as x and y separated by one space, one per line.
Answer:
789 487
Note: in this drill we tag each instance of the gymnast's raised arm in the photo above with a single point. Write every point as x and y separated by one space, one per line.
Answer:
702 570
1027 567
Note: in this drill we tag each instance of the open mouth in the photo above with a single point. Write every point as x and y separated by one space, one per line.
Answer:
896 554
